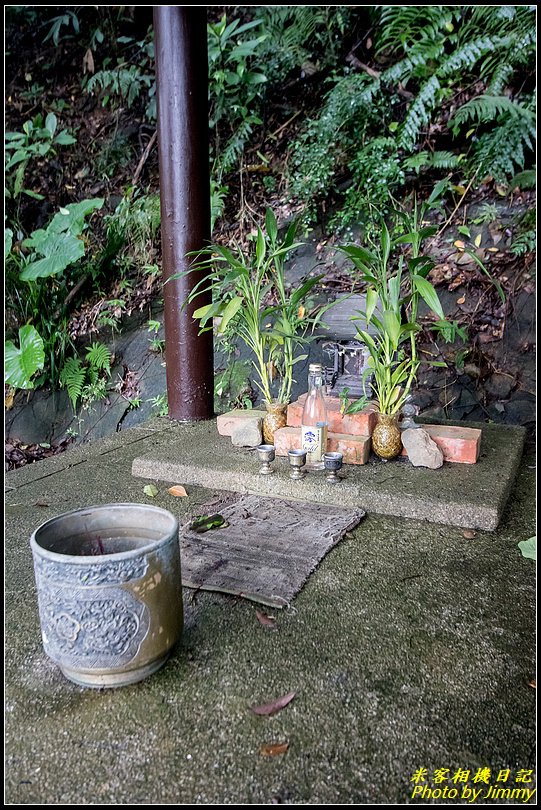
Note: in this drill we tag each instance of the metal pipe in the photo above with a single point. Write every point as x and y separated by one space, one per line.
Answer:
182 93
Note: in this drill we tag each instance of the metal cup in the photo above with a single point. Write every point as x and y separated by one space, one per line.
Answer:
297 460
266 454
333 463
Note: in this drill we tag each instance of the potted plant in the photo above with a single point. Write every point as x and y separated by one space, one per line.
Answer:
394 286
250 300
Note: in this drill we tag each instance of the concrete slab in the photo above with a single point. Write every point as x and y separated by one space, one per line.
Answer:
472 496
411 646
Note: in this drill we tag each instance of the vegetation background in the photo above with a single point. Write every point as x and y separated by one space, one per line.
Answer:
329 114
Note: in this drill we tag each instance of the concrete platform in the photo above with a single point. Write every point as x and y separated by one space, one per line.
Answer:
472 496
412 645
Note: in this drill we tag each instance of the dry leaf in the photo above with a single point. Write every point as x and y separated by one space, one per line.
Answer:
8 399
461 300
300 312
41 503
266 621
532 683
273 749
458 243
178 491
150 490
469 534
88 62
477 240
267 709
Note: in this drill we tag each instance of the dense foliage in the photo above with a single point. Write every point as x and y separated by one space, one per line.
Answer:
329 110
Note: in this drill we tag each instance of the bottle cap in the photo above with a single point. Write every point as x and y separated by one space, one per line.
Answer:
315 368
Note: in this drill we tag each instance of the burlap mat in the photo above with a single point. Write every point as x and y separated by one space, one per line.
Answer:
269 549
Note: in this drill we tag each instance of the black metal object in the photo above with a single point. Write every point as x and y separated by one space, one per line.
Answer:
349 356
182 86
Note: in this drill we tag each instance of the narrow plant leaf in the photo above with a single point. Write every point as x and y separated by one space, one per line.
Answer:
178 491
273 749
268 709
266 621
150 490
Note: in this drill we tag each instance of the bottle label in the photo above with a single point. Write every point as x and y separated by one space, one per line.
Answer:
314 441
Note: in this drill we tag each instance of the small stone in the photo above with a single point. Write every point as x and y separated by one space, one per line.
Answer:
247 433
421 449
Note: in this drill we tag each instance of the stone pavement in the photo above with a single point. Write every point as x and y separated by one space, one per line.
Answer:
412 646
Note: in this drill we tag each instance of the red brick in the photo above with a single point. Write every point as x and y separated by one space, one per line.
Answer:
356 424
458 444
227 421
355 449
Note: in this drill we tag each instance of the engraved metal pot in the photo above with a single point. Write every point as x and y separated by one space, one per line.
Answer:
109 591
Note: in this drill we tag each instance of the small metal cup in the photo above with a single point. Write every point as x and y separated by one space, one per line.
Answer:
266 454
333 463
297 460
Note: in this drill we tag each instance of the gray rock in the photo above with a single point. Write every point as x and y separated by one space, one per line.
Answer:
247 433
421 449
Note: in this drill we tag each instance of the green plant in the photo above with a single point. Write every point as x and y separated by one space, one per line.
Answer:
395 283
37 140
376 125
234 86
86 380
242 283
156 344
37 284
20 364
159 404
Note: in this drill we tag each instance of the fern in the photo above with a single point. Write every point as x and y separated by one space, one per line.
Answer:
99 357
526 179
501 151
432 160
72 377
524 243
481 109
127 83
419 113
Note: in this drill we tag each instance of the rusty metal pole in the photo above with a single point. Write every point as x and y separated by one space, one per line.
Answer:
182 85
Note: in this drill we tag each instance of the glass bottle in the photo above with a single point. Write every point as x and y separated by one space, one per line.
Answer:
314 423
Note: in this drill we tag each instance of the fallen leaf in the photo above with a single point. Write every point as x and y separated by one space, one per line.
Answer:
528 548
88 62
8 399
178 491
266 621
300 312
204 523
268 709
532 683
150 490
477 240
41 503
469 534
458 243
461 300
273 749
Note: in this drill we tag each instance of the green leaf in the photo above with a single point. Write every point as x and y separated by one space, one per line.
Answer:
51 124
428 294
65 139
229 312
20 364
62 250
528 548
150 490
8 241
270 224
71 218
371 300
392 326
260 246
